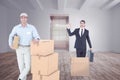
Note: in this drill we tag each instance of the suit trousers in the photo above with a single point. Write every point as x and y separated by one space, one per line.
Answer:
24 61
81 53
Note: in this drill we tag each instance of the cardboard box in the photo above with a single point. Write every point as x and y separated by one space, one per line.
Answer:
49 64
53 76
44 48
36 77
44 64
15 42
35 64
80 66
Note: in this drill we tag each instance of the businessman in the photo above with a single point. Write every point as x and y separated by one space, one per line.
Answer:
81 35
27 33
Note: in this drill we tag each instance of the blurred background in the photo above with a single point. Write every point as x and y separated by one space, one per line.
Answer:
51 16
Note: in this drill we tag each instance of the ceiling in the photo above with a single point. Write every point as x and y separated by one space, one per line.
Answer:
58 4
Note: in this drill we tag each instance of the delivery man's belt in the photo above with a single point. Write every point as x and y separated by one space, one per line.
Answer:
24 45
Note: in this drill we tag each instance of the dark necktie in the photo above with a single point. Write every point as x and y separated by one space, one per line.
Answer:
81 32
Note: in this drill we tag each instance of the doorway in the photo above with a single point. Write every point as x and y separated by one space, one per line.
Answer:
58 31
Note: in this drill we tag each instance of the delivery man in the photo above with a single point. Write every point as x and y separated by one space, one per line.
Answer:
26 33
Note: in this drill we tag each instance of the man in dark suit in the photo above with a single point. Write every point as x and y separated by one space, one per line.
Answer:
81 35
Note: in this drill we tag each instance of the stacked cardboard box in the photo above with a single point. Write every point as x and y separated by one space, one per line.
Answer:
44 48
80 66
44 61
53 76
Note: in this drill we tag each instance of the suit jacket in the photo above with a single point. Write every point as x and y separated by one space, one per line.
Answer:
80 42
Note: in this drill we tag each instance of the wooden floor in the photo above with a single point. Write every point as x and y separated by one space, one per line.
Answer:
106 66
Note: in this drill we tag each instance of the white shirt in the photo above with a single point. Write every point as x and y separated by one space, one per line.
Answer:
81 30
26 34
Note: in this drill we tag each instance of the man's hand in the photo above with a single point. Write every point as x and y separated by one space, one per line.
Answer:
12 47
90 49
68 26
35 41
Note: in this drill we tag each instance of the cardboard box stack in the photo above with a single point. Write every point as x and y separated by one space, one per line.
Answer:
80 66
44 61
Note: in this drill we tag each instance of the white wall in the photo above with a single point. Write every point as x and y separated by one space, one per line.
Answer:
11 18
97 21
3 29
115 20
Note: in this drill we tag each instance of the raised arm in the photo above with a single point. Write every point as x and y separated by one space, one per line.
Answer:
69 32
